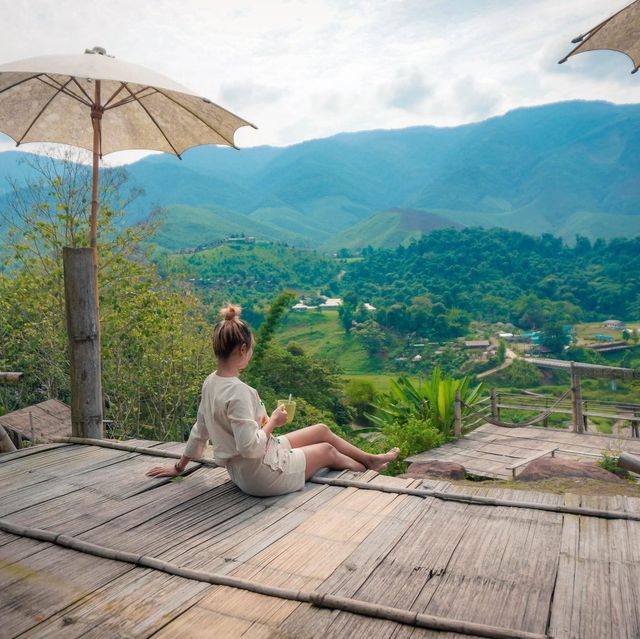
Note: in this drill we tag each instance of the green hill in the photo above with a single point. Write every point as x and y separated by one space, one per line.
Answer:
320 333
388 229
187 226
565 168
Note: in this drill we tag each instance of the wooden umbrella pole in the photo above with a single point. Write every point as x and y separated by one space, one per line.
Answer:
82 310
96 120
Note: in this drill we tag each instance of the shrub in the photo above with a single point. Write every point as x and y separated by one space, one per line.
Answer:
412 436
610 461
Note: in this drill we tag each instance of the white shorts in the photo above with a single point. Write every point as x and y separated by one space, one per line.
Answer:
281 470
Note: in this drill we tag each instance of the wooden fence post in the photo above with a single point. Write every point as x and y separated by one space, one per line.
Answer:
83 331
495 411
576 393
6 445
457 409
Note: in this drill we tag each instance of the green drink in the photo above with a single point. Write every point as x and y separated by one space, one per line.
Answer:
290 407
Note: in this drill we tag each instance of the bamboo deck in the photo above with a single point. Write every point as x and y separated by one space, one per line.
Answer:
520 569
490 450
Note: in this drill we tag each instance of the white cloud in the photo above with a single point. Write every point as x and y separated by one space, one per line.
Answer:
303 69
408 90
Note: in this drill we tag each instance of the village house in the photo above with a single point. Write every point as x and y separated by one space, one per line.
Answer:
331 304
302 307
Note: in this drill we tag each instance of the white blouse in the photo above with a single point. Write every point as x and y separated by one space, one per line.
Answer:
231 415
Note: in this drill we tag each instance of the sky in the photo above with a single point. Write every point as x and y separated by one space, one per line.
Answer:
305 69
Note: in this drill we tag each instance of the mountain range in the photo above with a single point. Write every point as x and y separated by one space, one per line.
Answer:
565 168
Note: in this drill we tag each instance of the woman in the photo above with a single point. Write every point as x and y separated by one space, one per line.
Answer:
232 415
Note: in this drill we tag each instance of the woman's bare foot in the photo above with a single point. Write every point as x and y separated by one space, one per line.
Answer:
379 463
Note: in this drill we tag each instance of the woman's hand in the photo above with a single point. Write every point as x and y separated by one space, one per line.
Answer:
163 471
279 416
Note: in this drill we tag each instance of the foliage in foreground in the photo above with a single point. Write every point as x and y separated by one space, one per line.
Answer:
432 401
154 337
419 417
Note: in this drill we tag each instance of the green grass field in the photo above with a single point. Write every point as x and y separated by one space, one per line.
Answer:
321 333
381 382
586 331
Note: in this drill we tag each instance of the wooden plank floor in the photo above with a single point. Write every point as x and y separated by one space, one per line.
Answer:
517 568
489 450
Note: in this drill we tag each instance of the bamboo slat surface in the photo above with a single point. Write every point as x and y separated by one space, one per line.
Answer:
490 450
520 569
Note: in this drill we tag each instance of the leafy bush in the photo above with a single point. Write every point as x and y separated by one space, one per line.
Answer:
361 395
609 461
520 374
411 437
431 403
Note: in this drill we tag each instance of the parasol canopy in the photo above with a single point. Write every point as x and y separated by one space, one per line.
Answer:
620 32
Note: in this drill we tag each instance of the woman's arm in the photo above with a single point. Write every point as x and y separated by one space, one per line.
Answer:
193 450
170 471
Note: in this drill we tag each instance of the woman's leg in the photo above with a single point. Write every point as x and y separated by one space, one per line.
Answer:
320 433
324 455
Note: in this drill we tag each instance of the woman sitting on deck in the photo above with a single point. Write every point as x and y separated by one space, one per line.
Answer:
233 417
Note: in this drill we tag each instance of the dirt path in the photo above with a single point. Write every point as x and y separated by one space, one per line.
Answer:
509 358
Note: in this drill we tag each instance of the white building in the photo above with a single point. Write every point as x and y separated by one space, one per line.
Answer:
368 307
301 307
331 303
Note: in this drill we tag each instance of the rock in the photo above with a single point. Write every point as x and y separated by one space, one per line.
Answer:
553 467
435 468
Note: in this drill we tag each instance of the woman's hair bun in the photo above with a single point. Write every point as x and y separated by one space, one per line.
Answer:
230 312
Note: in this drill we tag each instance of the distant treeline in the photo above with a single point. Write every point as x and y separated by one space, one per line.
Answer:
495 275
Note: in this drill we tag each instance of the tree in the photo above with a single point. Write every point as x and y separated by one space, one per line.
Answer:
502 351
554 337
372 336
361 395
345 313
154 337
268 327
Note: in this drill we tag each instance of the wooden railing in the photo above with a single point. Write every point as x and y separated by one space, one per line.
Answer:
465 419
529 402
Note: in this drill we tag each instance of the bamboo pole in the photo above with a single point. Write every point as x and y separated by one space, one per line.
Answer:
477 500
96 122
495 408
11 378
457 409
629 462
84 342
319 599
578 417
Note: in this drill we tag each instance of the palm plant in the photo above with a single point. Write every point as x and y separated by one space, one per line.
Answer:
432 402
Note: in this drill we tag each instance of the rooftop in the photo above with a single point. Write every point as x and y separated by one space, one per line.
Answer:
91 547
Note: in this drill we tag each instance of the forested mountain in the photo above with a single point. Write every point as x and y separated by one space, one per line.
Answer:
389 229
496 275
438 284
562 168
